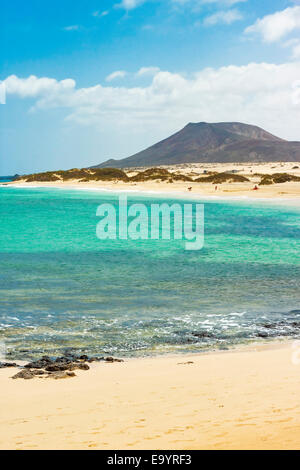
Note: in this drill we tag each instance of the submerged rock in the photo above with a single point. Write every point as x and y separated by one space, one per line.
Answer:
96 359
203 334
112 359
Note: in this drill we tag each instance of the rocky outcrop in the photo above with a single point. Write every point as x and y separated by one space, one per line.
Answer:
4 365
58 368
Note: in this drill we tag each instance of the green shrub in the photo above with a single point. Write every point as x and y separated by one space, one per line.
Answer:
277 178
219 178
42 177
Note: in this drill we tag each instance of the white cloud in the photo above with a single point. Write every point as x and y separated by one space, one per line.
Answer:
219 3
130 4
296 51
100 14
294 44
225 2
33 87
147 71
116 75
274 27
74 27
261 94
223 17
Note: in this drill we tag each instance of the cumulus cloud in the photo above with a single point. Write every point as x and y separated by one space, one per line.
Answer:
34 87
274 27
261 94
223 17
147 71
130 4
296 51
116 75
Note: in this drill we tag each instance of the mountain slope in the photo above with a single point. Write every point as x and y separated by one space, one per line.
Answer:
220 142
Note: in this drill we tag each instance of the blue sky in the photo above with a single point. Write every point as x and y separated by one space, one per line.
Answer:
87 81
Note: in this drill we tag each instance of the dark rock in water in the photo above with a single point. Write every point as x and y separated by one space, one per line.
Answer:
4 365
96 359
294 312
46 359
112 359
270 325
203 334
84 357
262 335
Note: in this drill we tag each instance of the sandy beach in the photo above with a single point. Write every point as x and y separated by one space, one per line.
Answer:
289 190
245 399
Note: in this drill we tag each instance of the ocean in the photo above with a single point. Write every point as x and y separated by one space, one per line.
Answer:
5 179
63 288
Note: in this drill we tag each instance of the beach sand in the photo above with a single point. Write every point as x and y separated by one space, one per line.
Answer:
289 190
245 399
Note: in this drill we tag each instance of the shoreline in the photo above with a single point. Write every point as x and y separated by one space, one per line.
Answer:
244 399
251 346
290 199
286 192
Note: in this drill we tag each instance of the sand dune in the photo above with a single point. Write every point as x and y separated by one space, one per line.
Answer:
289 190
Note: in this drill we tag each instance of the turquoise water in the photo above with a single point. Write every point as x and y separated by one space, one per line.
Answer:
61 287
5 180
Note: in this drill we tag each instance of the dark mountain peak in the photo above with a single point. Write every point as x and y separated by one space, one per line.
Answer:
214 142
197 124
239 128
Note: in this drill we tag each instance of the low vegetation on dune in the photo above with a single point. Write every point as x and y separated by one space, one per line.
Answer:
219 178
276 178
152 174
42 177
106 174
84 175
161 174
179 177
74 174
